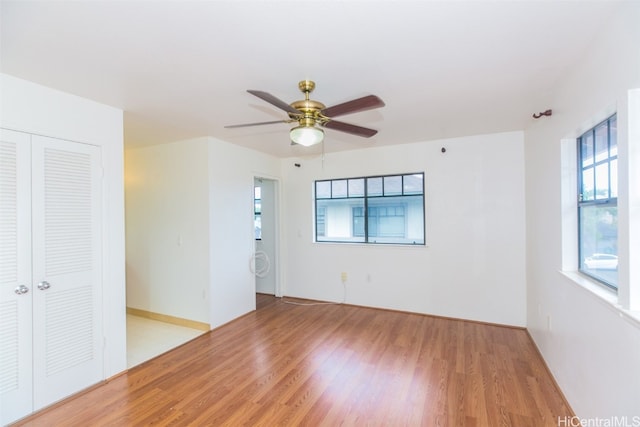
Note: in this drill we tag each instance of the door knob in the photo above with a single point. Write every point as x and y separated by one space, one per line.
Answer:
44 285
22 289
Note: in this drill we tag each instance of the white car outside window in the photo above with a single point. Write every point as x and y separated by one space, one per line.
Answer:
601 261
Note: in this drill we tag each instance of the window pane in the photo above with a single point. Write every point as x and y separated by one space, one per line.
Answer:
396 219
614 178
599 242
602 145
586 149
257 191
338 222
383 220
358 221
587 184
392 185
339 188
356 187
613 135
323 189
602 181
257 224
374 186
413 184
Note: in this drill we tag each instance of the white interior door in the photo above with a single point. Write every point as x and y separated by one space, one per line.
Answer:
16 386
66 227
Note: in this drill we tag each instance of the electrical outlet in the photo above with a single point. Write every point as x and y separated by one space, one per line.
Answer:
343 276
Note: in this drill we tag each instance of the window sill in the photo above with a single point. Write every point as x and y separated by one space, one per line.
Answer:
364 245
606 296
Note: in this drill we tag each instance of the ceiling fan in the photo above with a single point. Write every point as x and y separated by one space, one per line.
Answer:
309 113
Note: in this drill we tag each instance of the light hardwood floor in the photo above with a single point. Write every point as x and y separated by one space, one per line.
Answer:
328 365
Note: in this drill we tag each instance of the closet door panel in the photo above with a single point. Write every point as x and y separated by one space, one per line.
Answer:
67 258
15 276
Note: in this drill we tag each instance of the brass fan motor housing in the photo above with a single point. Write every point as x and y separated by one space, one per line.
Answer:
307 121
309 108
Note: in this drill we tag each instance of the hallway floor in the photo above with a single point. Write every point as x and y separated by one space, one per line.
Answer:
147 338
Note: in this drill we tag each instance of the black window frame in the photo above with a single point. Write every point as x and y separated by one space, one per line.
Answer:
320 221
586 202
403 193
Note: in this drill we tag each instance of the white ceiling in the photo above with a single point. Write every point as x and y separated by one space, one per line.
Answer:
180 69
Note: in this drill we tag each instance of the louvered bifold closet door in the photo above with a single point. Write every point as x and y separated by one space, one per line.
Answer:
15 276
66 225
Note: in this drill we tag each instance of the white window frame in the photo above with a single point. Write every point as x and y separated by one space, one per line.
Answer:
627 300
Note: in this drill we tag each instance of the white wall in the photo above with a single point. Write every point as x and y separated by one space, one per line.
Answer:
591 346
474 264
232 240
167 223
190 235
36 109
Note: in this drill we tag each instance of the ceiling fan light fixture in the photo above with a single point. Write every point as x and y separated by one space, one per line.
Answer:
306 135
309 113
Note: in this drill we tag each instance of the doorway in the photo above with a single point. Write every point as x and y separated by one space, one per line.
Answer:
167 256
266 236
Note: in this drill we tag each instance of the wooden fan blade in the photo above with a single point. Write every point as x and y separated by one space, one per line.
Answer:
361 104
349 128
257 124
274 101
